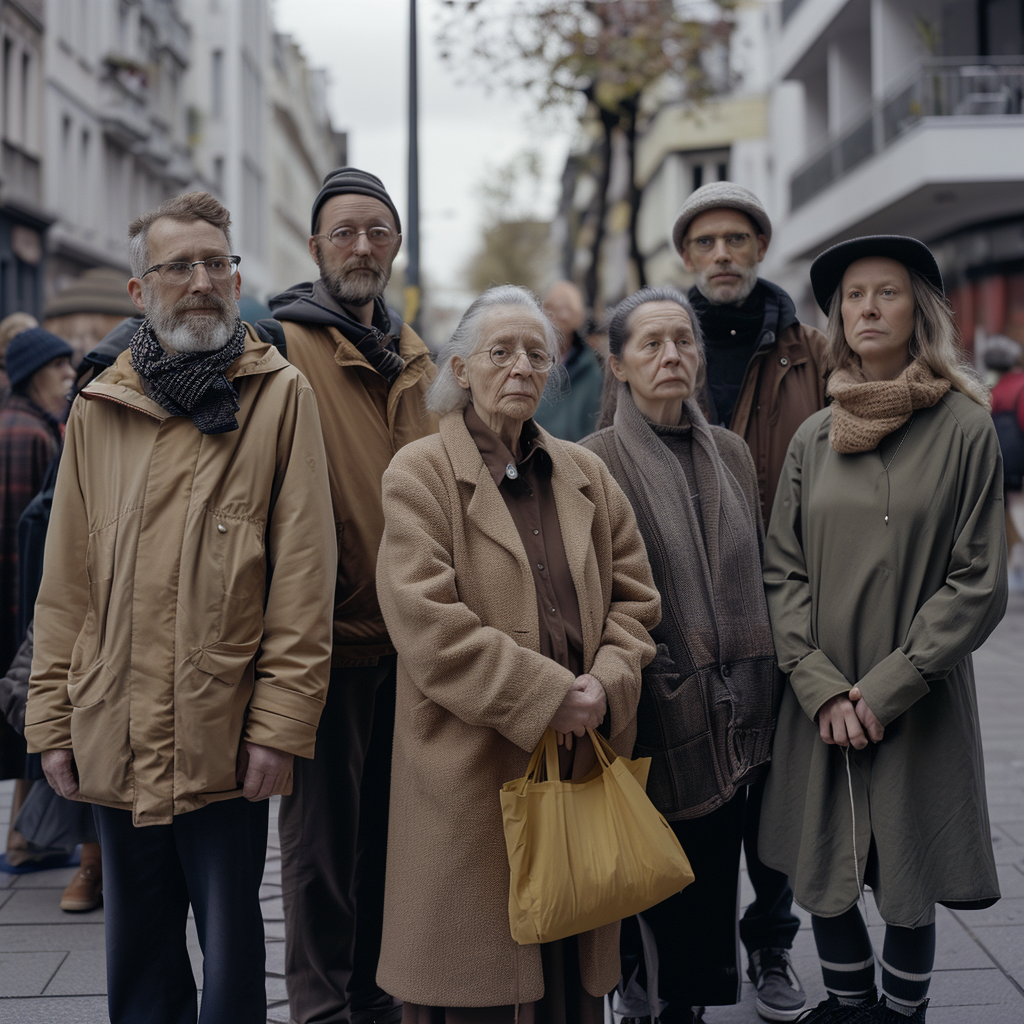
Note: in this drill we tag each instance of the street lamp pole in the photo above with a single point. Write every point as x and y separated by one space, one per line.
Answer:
412 270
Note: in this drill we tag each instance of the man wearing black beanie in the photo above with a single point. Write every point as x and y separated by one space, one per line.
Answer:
369 372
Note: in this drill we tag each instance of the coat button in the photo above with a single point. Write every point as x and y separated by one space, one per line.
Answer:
726 671
784 361
221 528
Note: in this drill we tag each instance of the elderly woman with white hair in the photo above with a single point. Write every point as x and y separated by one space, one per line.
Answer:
517 592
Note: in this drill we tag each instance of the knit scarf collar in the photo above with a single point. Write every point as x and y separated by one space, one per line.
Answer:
190 384
708 568
864 411
372 342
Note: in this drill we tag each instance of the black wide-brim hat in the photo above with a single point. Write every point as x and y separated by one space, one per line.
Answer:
828 269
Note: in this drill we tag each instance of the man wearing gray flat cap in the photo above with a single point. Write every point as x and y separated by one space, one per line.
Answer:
369 372
764 378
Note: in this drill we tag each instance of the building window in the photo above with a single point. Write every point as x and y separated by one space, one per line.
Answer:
217 83
698 177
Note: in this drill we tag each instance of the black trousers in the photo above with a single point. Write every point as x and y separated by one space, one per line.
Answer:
769 920
695 930
212 858
334 833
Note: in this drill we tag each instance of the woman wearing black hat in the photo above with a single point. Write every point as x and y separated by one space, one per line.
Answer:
885 566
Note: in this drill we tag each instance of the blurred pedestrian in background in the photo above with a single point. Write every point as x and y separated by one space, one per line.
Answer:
708 699
571 411
369 372
182 636
31 423
505 626
764 378
9 327
1006 358
885 567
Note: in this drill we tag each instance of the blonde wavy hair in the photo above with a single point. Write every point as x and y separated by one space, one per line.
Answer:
934 343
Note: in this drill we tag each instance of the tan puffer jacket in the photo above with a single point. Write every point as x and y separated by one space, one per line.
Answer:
187 590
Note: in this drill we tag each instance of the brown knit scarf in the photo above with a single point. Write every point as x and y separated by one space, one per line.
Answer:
864 411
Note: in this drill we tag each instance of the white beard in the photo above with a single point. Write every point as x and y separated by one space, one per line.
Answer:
180 331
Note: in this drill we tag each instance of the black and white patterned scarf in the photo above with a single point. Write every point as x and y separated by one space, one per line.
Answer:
190 384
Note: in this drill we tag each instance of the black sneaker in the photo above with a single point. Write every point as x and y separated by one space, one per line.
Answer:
885 1014
831 1011
780 996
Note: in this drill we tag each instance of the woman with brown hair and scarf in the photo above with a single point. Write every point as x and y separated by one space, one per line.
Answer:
708 698
885 567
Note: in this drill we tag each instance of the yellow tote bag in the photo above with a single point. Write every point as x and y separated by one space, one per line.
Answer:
584 854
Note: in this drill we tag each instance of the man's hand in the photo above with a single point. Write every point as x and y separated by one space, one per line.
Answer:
872 726
58 767
261 769
839 725
583 707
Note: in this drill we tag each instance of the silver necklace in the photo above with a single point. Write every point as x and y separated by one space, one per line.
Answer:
886 466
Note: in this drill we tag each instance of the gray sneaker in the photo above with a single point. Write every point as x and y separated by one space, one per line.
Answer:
780 996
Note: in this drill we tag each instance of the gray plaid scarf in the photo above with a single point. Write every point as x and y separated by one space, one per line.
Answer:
190 384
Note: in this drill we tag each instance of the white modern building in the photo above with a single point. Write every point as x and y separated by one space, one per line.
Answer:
905 117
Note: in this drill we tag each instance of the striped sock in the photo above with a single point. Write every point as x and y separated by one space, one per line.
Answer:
847 960
908 956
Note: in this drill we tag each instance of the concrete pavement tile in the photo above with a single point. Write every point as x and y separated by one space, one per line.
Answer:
276 991
51 937
273 909
1004 812
278 1014
40 906
1014 829
275 958
1007 852
1005 912
69 1010
273 930
27 974
1007 946
987 1014
53 878
83 973
1011 880
973 988
268 890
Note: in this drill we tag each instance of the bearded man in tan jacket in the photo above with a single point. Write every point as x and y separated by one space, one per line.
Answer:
182 628
370 373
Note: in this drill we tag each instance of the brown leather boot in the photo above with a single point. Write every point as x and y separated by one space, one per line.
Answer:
85 890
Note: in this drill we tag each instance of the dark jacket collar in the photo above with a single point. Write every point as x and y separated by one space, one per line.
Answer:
299 303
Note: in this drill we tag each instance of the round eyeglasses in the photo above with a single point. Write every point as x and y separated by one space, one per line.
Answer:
218 268
504 355
345 237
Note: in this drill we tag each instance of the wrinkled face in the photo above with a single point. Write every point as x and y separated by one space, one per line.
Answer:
355 245
505 393
878 314
723 250
659 361
50 384
200 315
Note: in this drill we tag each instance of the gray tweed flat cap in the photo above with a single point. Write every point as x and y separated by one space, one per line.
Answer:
714 196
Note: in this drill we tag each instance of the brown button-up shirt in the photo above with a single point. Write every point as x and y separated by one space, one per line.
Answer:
526 488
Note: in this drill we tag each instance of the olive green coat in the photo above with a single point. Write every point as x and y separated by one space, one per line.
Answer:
896 609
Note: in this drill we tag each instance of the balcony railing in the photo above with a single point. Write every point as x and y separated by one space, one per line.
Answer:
939 87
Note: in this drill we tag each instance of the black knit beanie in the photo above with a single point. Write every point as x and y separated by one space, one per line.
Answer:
347 180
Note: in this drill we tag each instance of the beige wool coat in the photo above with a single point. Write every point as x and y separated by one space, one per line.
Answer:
475 696
185 604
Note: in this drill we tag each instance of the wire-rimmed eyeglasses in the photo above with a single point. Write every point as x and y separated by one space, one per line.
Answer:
504 355
218 268
345 237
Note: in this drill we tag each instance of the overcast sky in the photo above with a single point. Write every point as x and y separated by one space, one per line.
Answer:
463 130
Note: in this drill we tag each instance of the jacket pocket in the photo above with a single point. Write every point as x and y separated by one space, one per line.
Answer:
99 735
227 663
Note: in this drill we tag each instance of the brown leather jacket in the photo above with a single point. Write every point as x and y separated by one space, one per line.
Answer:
783 385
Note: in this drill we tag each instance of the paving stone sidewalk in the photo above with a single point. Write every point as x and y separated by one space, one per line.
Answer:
52 963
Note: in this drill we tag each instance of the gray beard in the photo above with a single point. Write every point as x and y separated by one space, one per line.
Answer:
178 331
352 290
749 276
